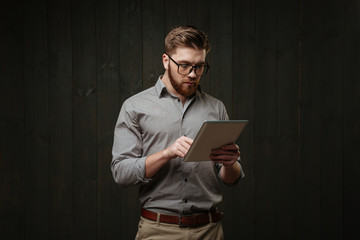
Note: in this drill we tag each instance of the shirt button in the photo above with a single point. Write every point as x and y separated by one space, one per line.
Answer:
185 201
185 180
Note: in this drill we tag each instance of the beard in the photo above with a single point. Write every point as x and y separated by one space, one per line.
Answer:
184 90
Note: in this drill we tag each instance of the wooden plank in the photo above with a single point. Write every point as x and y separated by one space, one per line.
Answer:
266 163
309 210
287 117
131 49
153 41
108 106
221 78
331 120
37 120
131 64
176 14
12 121
220 83
61 120
243 84
84 106
351 122
199 15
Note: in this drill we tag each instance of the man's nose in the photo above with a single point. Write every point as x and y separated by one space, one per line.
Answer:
192 73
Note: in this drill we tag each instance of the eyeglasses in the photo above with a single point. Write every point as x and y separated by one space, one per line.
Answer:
186 69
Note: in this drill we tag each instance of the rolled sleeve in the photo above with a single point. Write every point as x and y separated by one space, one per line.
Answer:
218 167
128 164
129 172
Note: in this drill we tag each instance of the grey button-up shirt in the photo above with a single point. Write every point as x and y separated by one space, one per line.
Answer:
149 122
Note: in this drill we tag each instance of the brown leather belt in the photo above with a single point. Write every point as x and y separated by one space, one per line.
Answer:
184 221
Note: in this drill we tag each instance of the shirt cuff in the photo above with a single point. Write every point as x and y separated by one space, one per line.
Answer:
237 180
140 171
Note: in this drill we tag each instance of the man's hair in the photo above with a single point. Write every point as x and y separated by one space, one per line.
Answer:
186 36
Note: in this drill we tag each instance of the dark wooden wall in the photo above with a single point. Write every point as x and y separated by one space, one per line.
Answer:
290 67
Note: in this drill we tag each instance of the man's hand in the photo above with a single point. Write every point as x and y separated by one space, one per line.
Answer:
226 154
155 161
179 148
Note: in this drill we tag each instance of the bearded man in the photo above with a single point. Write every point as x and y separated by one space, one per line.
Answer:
153 133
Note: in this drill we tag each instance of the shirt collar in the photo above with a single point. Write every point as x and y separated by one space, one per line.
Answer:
160 87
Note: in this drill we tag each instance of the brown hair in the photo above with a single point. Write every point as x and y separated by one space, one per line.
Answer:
186 36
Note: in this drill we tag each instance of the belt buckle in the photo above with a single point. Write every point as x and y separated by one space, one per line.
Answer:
181 225
191 221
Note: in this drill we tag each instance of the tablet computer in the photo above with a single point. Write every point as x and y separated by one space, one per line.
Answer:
214 134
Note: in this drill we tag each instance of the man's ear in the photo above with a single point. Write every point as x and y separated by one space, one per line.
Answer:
165 59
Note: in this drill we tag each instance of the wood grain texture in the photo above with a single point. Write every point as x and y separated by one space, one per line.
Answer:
83 35
61 121
289 67
37 130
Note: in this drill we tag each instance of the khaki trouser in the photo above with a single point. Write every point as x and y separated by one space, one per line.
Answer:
151 230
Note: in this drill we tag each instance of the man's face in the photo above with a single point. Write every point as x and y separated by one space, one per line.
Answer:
186 85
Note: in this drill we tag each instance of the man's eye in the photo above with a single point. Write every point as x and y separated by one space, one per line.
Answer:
199 66
184 66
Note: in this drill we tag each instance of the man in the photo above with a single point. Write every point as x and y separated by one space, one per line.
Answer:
154 131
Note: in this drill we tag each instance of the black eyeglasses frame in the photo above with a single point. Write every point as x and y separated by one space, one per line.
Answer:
207 66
